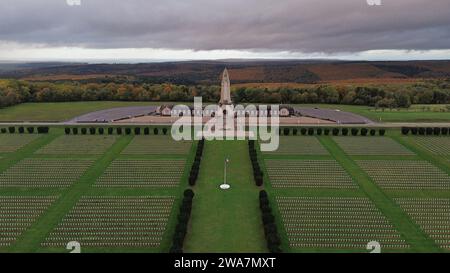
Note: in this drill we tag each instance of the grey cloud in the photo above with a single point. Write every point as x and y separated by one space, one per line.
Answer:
292 25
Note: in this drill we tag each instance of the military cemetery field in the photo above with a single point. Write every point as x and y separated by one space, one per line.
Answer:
122 192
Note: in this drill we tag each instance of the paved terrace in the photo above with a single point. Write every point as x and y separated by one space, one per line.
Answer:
335 116
114 114
143 114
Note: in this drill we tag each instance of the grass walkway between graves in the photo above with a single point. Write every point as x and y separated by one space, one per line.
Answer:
225 221
411 232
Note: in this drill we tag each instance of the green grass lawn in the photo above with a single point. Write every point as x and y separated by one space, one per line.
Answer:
226 221
417 113
59 111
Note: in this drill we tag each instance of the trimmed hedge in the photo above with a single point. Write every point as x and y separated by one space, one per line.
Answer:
257 173
270 228
183 220
43 130
195 169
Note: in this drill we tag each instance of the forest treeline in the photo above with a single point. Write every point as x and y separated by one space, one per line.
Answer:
14 92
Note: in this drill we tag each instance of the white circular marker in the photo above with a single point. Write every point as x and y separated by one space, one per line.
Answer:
225 186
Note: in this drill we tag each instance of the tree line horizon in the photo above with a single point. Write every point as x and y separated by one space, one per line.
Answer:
13 92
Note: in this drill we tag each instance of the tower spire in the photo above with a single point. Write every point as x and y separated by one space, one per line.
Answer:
225 92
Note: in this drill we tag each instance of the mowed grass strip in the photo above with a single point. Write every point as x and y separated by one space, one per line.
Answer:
308 174
406 174
78 145
18 213
157 145
225 221
336 223
114 222
432 215
12 143
142 173
371 146
33 172
299 145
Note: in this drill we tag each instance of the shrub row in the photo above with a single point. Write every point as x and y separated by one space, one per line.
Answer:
196 166
270 228
333 131
257 173
428 131
114 130
22 130
183 220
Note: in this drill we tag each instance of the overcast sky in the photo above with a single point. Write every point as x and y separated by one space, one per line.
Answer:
213 29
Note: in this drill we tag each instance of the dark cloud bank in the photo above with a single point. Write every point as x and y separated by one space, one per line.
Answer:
293 25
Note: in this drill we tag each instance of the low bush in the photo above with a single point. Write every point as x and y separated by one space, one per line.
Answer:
83 131
405 130
101 131
75 131
146 131
11 130
286 131
92 130
137 130
364 131
382 132
183 221
119 130
21 130
354 131
270 228
192 180
155 131
303 131
344 131
30 130
335 131
437 131
128 131
110 130
67 131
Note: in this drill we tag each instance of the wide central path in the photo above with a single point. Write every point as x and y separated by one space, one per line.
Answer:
225 221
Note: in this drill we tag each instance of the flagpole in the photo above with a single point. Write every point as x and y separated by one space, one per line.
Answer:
225 185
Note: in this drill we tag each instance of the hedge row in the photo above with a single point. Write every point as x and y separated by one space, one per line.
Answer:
333 131
196 166
257 173
428 131
114 130
22 130
183 220
270 228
